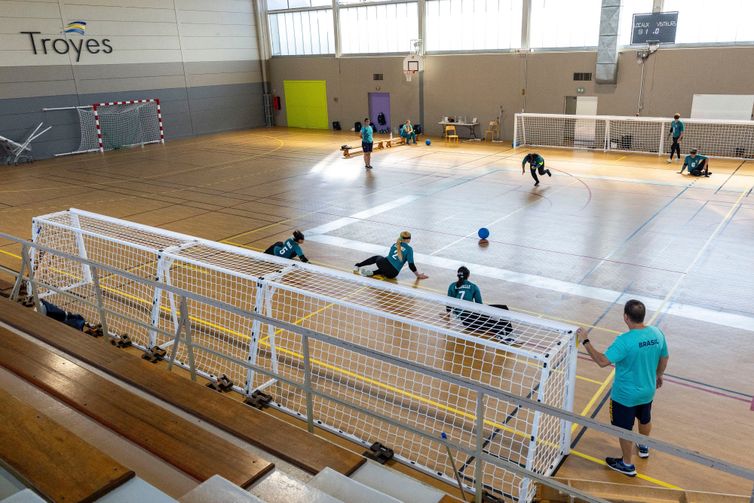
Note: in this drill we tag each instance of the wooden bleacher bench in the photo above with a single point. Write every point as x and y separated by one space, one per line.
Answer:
295 445
378 144
178 441
51 459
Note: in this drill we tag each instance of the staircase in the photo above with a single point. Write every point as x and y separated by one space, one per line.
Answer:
371 483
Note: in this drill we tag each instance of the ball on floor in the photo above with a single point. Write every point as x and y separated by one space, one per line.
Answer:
483 233
428 142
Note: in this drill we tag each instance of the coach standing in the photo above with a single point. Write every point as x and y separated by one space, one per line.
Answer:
676 131
640 357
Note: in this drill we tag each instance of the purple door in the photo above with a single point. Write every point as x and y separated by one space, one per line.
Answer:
379 108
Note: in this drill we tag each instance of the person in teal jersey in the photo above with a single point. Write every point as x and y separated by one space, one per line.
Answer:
640 357
408 132
367 142
464 289
290 248
697 164
400 253
536 163
676 131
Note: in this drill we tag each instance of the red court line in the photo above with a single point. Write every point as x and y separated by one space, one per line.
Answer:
752 404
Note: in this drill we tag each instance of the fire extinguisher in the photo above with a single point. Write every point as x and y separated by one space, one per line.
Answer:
276 102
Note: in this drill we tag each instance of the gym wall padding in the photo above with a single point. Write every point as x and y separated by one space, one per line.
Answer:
306 103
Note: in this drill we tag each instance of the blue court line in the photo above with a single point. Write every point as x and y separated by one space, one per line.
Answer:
730 176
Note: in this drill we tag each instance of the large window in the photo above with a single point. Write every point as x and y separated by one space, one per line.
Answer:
302 32
701 21
378 28
627 10
472 25
296 4
564 23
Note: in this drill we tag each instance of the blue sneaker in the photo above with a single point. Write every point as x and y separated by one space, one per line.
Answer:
618 465
643 451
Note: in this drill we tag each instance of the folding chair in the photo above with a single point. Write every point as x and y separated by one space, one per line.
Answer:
15 152
451 134
491 131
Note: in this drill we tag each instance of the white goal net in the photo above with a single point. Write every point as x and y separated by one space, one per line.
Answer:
651 135
118 124
362 398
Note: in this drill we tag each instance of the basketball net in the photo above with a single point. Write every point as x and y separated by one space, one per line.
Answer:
409 74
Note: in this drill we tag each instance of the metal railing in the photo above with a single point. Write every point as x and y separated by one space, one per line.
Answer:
183 335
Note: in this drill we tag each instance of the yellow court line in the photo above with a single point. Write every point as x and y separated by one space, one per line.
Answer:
10 254
638 475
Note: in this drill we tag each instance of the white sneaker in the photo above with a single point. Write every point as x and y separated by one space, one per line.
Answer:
669 161
366 272
356 269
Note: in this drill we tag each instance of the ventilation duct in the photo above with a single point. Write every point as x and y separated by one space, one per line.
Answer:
607 49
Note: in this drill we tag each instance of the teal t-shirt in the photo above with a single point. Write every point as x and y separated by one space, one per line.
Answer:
289 249
408 256
676 128
366 133
693 162
636 355
467 291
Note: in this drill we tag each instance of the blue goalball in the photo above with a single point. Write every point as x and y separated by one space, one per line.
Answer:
483 233
428 142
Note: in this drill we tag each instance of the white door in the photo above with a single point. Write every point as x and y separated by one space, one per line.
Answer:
584 130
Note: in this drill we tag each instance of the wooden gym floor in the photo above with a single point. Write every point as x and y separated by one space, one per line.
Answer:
605 228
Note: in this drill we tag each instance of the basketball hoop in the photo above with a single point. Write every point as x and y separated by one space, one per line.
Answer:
409 74
412 64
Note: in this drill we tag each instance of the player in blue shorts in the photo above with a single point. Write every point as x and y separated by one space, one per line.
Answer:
640 357
400 253
466 290
697 164
290 248
536 163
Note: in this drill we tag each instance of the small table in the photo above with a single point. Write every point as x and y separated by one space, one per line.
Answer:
470 125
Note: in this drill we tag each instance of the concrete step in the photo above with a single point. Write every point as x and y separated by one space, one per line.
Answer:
218 490
348 490
396 484
23 496
279 487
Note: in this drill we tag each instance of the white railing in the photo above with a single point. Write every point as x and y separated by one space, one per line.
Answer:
649 135
183 336
475 450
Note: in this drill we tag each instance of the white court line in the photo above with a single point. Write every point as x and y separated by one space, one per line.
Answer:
362 215
565 287
317 234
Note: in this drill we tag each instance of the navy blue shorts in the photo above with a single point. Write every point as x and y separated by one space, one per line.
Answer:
623 416
366 147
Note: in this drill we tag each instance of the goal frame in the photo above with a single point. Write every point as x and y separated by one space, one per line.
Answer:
97 106
743 149
558 357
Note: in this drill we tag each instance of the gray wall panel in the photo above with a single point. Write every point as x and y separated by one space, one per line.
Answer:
200 110
127 71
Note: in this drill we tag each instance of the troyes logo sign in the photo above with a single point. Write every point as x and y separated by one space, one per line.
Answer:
64 45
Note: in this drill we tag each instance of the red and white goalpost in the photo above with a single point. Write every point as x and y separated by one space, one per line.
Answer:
152 136
116 124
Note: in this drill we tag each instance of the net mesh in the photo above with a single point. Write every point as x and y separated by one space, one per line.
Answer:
525 356
650 135
121 125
